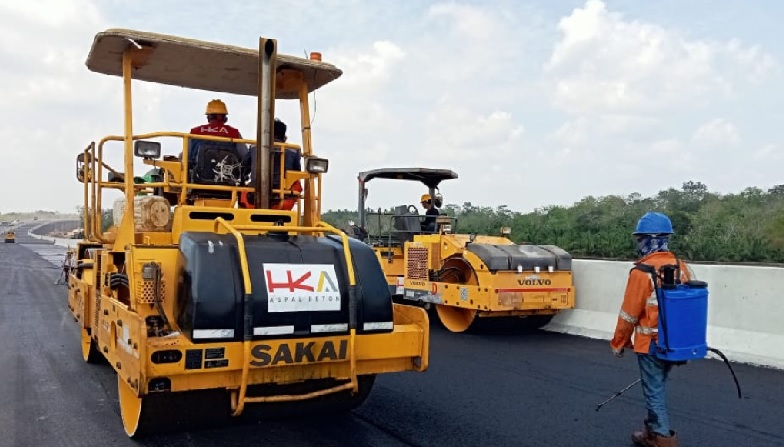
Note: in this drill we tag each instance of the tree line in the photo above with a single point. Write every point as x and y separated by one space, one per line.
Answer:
746 227
742 227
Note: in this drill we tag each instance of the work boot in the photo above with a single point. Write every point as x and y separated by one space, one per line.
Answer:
644 438
666 441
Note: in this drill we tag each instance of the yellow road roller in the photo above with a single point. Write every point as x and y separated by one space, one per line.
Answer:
207 282
467 277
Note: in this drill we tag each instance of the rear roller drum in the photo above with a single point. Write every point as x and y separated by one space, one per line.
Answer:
334 404
455 319
170 412
130 407
195 410
457 271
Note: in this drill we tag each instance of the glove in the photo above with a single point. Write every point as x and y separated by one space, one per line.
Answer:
618 352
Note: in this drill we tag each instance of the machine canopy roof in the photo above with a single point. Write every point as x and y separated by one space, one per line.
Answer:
430 177
198 64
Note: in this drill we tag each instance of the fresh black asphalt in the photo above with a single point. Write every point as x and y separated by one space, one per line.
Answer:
490 389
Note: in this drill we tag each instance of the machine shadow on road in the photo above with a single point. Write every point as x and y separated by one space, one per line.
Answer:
496 326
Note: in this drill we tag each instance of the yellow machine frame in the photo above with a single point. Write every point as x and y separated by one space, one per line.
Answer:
114 320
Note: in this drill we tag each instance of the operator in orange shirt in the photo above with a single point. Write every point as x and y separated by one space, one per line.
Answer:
217 116
291 162
639 316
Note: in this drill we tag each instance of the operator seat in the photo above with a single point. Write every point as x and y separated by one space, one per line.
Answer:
214 163
406 224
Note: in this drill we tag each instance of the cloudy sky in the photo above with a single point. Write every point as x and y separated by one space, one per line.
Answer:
532 103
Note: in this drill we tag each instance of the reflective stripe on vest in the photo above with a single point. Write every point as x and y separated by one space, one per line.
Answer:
628 318
645 330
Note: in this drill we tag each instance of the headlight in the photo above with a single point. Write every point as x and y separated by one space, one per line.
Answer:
316 165
147 149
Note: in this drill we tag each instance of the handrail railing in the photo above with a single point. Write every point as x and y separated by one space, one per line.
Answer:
184 185
391 230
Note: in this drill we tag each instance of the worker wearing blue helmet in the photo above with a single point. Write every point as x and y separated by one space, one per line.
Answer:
639 317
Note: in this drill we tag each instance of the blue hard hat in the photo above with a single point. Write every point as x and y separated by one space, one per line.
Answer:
654 223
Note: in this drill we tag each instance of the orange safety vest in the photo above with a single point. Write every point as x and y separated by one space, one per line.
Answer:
639 314
286 204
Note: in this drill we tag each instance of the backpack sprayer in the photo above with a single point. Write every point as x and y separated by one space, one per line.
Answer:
683 321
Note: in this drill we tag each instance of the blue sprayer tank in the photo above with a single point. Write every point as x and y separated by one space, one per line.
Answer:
683 322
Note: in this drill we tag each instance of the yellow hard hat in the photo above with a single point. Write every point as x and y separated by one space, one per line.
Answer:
425 198
216 107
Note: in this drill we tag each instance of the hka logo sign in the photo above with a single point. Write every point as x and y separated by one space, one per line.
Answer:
301 287
213 130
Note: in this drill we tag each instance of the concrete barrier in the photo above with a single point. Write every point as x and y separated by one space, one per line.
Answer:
45 227
745 307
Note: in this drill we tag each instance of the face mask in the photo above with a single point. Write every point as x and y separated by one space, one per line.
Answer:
648 244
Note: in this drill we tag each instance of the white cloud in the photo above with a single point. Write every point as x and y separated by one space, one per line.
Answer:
468 22
606 64
670 146
768 152
583 130
574 132
363 68
460 134
717 132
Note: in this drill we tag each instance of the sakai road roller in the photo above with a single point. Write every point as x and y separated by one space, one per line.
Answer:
465 276
205 283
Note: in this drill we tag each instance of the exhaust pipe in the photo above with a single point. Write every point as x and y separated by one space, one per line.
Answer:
268 54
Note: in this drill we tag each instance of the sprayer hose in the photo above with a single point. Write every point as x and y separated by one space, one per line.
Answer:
723 357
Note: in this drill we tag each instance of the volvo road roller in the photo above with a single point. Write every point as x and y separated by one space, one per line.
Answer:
465 276
218 275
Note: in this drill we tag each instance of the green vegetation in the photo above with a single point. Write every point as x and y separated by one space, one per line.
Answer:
743 227
107 217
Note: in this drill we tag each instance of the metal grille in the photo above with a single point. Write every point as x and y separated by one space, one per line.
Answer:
417 263
147 289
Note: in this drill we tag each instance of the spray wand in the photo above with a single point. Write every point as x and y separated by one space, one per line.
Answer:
714 350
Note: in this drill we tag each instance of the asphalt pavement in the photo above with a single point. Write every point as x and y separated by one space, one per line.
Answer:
492 389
